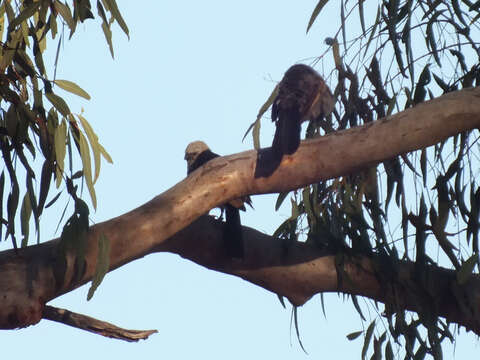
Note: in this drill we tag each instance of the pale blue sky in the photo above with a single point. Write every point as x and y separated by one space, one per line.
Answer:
191 71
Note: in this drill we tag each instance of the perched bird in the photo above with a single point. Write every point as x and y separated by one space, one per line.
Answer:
302 95
197 154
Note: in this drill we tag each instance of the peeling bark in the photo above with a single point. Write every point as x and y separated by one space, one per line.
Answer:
26 277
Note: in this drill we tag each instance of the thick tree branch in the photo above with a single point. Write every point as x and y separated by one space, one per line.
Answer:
27 279
304 270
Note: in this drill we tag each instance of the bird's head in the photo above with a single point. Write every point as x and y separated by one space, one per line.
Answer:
193 150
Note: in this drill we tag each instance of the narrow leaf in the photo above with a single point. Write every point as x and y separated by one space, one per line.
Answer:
105 154
66 14
280 199
87 169
25 213
463 274
24 14
51 202
60 140
47 170
58 103
72 88
113 8
361 14
315 13
2 188
368 337
108 36
354 335
103 264
94 145
256 124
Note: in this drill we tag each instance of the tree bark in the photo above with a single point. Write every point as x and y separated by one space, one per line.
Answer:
27 280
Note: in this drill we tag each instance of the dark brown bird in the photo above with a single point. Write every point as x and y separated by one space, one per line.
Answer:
302 95
197 154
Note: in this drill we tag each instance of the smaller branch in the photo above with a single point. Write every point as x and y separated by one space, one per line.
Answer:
93 325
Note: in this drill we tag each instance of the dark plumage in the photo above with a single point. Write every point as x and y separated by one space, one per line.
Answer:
302 95
197 154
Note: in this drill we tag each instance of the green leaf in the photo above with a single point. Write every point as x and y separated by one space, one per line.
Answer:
60 140
256 124
74 240
37 52
55 198
458 12
421 352
24 14
282 301
295 210
111 5
105 154
47 170
66 14
25 213
368 337
2 189
58 103
87 170
361 14
354 335
108 36
357 307
315 13
343 25
308 204
72 88
2 25
93 140
103 264
101 12
8 10
423 166
9 52
297 330
430 38
280 199
322 301
52 22
463 274
389 351
33 205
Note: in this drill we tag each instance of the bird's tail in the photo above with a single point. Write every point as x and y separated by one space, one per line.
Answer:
285 142
287 134
233 236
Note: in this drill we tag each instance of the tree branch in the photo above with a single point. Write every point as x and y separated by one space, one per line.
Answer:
93 325
27 278
303 270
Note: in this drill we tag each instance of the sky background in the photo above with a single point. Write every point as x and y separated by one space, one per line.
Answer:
190 71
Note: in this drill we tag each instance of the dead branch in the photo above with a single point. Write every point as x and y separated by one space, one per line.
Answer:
93 325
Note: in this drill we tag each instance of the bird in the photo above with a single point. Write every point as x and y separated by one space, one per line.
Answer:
197 154
302 95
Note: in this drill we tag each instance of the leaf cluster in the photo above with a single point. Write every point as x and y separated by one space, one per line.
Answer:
41 140
405 53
